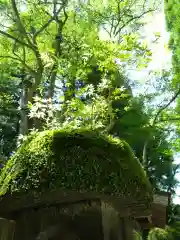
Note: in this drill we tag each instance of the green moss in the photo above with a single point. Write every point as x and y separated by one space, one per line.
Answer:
79 160
159 234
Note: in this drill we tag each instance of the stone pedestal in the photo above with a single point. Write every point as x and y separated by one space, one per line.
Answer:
114 226
7 229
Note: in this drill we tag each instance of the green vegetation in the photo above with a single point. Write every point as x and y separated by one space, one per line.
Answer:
78 160
68 65
159 234
172 8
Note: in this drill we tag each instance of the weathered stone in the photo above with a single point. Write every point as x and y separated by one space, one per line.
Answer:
7 229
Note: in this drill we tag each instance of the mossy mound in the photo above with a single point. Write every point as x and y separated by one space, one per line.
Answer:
79 160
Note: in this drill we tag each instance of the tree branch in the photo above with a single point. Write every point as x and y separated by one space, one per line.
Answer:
37 33
20 60
166 105
16 39
44 27
19 22
169 119
154 122
132 19
49 21
57 53
33 44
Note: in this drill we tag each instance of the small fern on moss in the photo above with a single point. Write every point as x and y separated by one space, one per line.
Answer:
159 234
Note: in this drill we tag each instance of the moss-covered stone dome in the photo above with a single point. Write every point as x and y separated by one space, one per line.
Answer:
79 160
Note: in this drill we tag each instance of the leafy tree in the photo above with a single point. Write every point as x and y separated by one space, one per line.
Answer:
60 40
9 116
71 76
172 18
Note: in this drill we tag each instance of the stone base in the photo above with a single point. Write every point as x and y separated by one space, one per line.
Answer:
7 229
88 220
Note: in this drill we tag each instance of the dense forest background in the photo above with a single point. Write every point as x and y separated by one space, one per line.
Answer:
78 63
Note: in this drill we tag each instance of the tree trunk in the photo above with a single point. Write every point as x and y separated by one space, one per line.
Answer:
29 91
23 128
